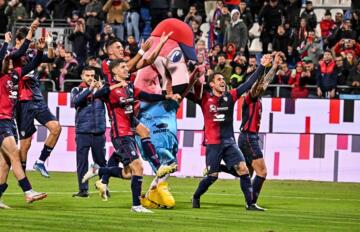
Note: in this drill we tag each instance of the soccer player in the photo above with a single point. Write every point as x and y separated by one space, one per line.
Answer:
32 106
9 153
115 51
218 108
248 140
121 97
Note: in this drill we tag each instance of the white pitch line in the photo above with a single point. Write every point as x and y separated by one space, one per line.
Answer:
215 194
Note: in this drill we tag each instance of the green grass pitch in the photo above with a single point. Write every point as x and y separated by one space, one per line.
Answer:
292 206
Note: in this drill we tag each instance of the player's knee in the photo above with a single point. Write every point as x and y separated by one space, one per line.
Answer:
143 131
55 128
262 172
137 167
126 174
241 169
25 144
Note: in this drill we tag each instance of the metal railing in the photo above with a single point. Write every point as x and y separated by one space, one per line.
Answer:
53 85
53 25
69 81
46 23
278 88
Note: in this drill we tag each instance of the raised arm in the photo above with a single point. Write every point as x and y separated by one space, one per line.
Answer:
4 47
132 63
150 60
3 50
265 60
195 84
36 61
50 45
23 48
261 85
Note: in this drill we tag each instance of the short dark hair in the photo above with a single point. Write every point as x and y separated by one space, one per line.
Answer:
70 52
114 64
87 68
329 51
339 56
252 56
21 33
212 76
112 41
221 54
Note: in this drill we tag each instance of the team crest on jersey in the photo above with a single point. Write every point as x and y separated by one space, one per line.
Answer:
133 153
212 108
225 98
22 133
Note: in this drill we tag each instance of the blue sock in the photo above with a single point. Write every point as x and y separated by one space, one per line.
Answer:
110 171
204 186
25 184
45 153
246 188
230 171
23 165
3 188
136 182
105 179
257 185
150 152
113 160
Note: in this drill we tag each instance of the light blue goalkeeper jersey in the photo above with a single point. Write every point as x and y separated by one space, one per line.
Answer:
160 119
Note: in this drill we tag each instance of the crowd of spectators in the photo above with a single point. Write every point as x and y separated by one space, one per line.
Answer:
322 52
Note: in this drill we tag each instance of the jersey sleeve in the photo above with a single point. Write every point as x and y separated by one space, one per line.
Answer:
234 94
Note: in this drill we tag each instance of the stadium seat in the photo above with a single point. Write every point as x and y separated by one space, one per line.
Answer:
254 31
256 46
317 2
205 38
319 14
205 28
331 2
318 30
346 3
336 10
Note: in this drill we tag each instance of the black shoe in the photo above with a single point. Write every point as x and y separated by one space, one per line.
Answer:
195 202
254 207
82 194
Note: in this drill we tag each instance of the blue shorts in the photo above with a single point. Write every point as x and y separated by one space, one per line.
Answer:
125 147
229 152
7 128
27 111
249 146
